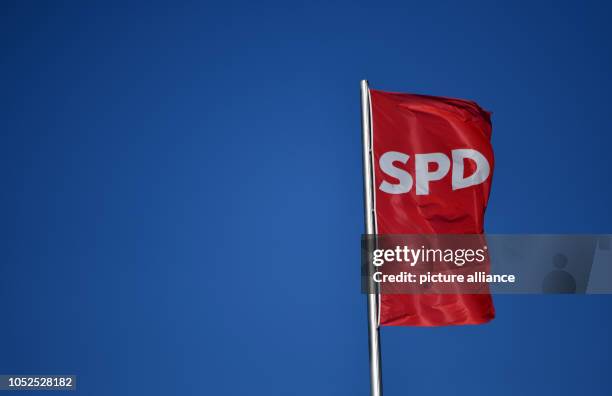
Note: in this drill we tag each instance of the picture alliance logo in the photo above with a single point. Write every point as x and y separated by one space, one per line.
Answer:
432 167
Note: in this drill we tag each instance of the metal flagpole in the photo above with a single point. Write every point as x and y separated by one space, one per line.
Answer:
370 228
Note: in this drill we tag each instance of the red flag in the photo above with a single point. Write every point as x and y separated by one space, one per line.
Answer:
433 164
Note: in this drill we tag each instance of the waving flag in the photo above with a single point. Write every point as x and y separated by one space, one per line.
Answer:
432 168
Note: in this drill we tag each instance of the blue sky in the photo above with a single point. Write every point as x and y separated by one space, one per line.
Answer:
182 193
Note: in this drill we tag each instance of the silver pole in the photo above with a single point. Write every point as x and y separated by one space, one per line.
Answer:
370 228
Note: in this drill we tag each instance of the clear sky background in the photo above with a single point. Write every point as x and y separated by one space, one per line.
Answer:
182 191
